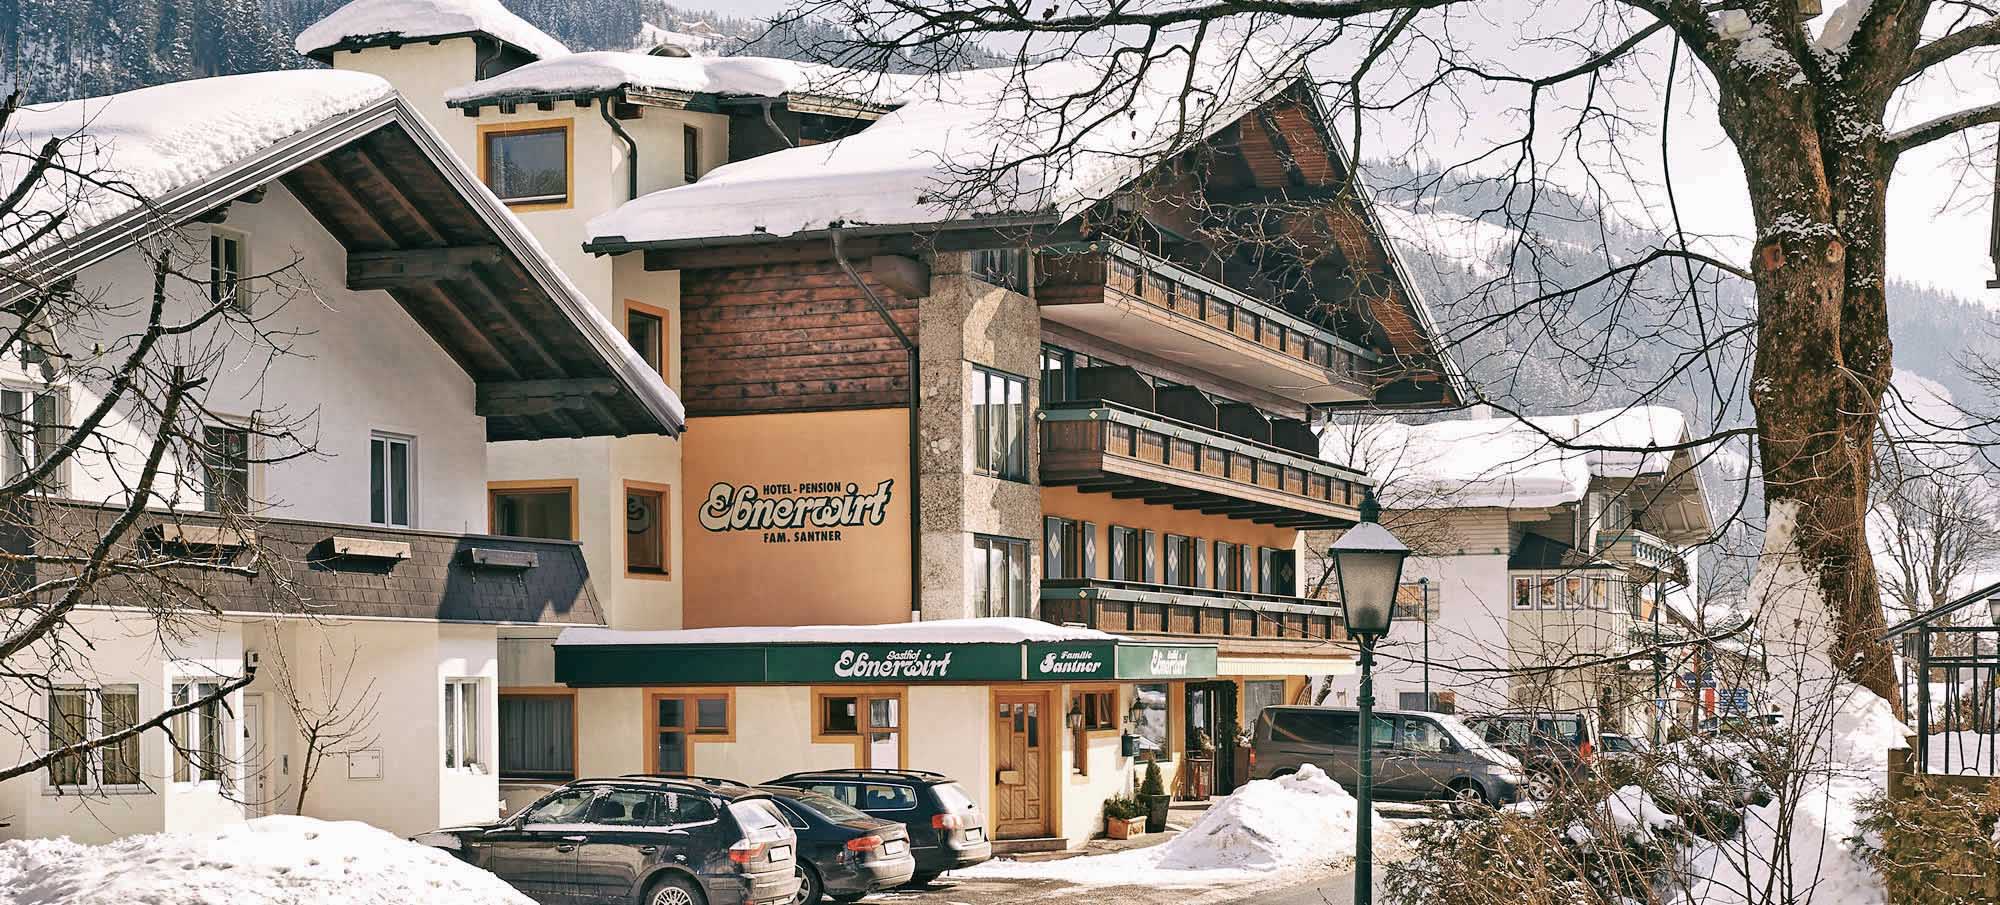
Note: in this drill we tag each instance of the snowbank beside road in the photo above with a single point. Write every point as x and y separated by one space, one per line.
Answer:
1268 825
267 861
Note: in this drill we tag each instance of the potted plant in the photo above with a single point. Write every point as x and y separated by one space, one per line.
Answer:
1122 816
1153 794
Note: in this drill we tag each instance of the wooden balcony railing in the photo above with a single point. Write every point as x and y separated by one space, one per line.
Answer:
1097 445
1239 326
1134 608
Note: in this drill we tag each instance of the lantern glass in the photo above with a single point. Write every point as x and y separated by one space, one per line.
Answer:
1368 560
1993 609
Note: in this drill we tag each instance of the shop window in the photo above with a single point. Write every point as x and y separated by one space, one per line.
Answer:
77 715
1148 719
225 457
999 424
198 734
527 166
873 721
679 720
999 570
1524 593
391 469
645 529
537 736
461 724
534 511
1097 711
646 330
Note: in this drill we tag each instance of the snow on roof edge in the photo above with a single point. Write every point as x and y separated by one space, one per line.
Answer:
375 22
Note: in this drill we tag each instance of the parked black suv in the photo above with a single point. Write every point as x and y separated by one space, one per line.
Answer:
638 839
946 831
844 854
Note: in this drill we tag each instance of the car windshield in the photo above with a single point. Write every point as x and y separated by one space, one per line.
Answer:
952 797
1619 744
829 808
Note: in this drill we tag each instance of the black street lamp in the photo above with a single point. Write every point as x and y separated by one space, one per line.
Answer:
1368 563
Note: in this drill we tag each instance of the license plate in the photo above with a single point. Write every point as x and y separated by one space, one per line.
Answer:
781 853
975 834
894 847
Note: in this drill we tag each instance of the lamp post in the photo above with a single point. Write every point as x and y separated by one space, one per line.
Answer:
1368 563
1425 584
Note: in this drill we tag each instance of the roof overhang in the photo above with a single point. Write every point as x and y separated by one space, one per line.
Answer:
416 223
396 40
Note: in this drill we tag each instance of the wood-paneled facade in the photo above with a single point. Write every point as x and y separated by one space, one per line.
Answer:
789 337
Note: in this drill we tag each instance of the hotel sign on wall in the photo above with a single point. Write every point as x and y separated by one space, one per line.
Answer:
810 512
894 664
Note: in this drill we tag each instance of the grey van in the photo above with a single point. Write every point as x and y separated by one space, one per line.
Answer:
1417 755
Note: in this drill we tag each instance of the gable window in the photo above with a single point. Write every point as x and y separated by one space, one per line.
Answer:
77 715
999 576
35 428
645 529
226 266
537 736
646 329
690 153
547 511
198 735
527 165
999 424
461 723
681 719
391 467
226 469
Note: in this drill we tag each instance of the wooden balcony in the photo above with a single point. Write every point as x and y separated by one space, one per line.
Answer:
1104 447
1114 291
1242 621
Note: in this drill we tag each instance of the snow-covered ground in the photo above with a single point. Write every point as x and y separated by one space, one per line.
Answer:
1268 826
1970 753
268 861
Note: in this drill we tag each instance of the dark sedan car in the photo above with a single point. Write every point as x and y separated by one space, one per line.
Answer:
843 854
643 840
946 831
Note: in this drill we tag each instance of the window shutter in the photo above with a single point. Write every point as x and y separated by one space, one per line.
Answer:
1052 553
1118 545
1221 566
1149 543
1089 550
1173 560
1264 582
1200 565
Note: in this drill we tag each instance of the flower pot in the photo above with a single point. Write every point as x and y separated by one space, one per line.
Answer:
1156 813
1117 828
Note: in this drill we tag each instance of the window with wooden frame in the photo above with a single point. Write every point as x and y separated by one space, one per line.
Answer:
1068 548
1098 708
1524 593
871 719
36 426
681 718
537 735
1180 561
225 458
646 330
646 529
76 715
545 509
527 165
690 153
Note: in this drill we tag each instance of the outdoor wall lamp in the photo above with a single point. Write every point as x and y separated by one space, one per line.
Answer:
1368 565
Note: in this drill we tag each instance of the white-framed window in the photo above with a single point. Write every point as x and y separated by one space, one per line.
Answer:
392 470
1524 593
36 423
78 714
198 734
461 724
228 262
225 458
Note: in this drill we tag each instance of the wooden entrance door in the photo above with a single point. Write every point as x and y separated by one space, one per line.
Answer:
1020 764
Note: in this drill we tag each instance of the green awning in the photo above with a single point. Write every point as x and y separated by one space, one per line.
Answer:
599 665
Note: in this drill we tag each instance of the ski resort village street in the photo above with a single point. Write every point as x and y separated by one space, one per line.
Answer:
935 452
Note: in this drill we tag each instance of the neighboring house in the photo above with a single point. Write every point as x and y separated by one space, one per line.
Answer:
1532 556
421 324
972 413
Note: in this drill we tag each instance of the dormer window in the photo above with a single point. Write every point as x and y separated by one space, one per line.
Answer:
527 165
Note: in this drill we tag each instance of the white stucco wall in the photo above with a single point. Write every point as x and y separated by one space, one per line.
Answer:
1470 596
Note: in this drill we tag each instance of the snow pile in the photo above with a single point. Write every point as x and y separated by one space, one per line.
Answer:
1633 811
989 630
600 71
166 137
379 21
267 861
1291 823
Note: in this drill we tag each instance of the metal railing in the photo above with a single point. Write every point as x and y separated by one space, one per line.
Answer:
1951 682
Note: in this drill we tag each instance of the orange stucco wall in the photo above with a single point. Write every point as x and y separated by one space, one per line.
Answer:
1105 511
742 571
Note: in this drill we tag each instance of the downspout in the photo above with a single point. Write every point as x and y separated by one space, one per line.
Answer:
768 121
916 480
483 62
631 147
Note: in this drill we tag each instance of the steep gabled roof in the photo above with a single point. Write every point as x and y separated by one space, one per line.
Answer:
545 361
376 23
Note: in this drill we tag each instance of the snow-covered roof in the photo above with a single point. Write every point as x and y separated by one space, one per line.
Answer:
1502 462
153 141
364 23
993 630
600 71
900 170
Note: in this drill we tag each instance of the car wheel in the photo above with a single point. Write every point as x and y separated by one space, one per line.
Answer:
1541 784
810 888
673 890
1465 791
